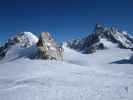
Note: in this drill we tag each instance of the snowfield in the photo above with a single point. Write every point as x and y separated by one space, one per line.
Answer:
104 75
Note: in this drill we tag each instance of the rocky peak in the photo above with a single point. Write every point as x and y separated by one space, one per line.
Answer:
115 35
103 37
48 47
99 29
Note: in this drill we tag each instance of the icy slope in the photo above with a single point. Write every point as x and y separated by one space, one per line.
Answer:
15 53
97 76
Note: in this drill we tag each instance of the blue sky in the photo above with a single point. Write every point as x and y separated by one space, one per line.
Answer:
65 19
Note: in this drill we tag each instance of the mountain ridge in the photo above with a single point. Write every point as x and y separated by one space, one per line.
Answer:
101 38
92 42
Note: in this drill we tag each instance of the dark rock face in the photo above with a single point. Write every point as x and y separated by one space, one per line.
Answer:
92 42
48 48
131 58
4 48
3 51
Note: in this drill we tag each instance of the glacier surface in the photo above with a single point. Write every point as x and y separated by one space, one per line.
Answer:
104 75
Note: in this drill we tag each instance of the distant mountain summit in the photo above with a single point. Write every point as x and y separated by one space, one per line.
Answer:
102 38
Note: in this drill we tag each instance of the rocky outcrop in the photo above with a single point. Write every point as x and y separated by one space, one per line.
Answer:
102 38
48 48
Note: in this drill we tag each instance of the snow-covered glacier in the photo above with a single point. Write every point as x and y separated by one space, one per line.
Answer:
104 75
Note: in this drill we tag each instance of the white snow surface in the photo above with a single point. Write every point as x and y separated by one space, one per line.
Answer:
125 32
27 38
104 75
15 53
121 38
107 44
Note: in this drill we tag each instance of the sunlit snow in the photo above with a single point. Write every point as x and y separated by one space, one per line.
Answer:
104 75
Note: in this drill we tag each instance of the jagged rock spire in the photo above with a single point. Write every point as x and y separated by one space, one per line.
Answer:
48 48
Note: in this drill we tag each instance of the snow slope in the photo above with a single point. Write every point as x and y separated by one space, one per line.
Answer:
104 75
26 39
107 44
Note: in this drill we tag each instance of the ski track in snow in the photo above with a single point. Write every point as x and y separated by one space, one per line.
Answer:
78 77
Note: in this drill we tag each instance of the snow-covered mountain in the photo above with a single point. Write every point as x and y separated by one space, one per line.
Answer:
104 75
26 44
102 38
19 41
